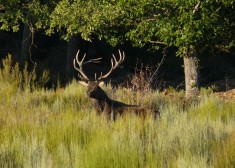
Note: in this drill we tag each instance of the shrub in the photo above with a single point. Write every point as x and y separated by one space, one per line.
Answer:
11 74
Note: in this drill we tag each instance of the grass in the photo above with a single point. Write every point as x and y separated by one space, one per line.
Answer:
58 128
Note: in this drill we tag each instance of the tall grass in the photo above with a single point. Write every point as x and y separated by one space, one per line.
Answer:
58 128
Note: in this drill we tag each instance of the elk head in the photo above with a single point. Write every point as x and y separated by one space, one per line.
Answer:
93 86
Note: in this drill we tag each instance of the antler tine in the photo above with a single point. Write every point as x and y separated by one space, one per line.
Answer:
123 57
114 64
80 63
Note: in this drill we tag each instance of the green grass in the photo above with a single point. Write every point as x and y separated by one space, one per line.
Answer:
58 128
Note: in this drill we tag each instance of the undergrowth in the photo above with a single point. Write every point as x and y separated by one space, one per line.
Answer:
58 128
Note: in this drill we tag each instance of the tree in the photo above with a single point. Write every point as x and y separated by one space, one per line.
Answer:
33 15
190 25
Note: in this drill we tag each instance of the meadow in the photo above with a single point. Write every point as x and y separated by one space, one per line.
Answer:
58 127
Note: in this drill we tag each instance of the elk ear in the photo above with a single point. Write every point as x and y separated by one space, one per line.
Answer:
83 83
101 84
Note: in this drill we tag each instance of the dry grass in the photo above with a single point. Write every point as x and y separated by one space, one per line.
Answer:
59 128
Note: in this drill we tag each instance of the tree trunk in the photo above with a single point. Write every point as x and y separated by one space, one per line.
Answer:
25 45
191 74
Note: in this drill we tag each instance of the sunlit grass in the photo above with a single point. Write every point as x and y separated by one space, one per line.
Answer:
59 128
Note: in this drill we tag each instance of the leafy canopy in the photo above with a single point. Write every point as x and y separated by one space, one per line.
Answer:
184 24
33 12
181 23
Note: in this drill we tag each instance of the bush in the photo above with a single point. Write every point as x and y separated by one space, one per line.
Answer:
10 74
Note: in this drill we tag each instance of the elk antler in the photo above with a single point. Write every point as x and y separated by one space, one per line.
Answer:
82 75
114 64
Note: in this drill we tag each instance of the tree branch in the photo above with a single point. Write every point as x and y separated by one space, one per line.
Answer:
196 7
157 42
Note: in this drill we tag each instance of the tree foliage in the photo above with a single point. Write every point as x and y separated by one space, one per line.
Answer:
78 17
180 23
36 13
183 24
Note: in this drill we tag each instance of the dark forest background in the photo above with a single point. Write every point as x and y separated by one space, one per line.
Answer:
55 55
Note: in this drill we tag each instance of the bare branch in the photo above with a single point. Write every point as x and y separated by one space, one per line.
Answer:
196 7
157 42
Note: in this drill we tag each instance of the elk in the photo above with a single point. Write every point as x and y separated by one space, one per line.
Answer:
101 102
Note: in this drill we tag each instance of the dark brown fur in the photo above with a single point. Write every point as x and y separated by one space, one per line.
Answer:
112 108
